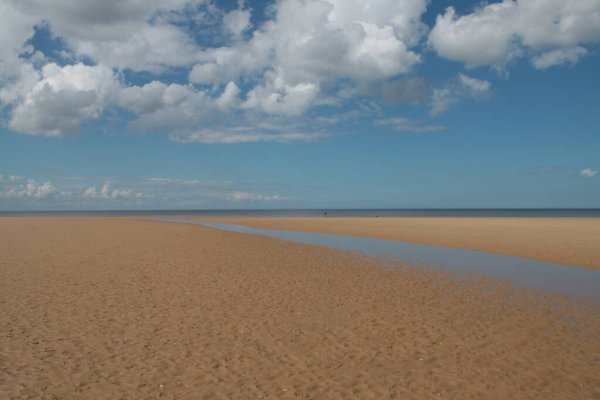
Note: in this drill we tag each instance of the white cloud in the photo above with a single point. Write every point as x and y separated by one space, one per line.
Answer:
559 57
90 192
173 181
463 87
309 44
154 192
121 34
187 182
125 34
15 28
152 48
121 193
277 97
495 33
183 109
475 39
237 21
240 135
399 124
30 189
62 99
307 47
283 67
588 172
305 54
1 178
24 78
173 106
474 86
15 178
442 100
230 96
106 192
247 196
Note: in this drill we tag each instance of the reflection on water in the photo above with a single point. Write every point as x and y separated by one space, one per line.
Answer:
568 280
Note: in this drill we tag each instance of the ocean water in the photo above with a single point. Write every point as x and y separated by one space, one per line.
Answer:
373 213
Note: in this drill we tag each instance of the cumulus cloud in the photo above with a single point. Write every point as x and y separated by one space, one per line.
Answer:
154 192
237 21
230 97
462 87
180 109
174 106
55 100
303 55
552 32
309 46
30 189
61 99
278 97
107 192
588 172
21 191
197 115
294 60
121 34
16 27
319 42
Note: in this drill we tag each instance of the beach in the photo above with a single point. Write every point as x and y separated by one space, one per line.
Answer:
111 308
569 241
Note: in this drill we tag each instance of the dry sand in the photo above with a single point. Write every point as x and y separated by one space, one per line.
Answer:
115 308
571 241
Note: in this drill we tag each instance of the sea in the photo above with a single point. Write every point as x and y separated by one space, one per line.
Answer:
373 213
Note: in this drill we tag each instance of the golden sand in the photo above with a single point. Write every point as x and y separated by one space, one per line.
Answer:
115 308
571 241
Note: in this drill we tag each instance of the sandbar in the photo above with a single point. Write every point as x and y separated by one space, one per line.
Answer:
569 241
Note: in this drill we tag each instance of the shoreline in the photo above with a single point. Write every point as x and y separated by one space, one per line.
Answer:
567 241
535 213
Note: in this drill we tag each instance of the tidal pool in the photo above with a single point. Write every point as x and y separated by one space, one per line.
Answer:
557 278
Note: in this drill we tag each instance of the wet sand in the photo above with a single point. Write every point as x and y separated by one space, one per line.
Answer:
570 241
111 308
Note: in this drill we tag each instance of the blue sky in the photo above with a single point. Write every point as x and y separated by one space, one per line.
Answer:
186 104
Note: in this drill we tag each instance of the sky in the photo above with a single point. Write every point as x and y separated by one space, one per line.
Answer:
204 104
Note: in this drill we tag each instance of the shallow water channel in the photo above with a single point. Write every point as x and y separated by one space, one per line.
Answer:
557 278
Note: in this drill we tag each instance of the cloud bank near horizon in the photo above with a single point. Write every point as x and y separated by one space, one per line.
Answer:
81 192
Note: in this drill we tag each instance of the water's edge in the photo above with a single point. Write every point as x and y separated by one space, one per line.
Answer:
557 278
347 213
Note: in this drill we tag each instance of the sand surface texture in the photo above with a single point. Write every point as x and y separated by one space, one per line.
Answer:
109 308
571 241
